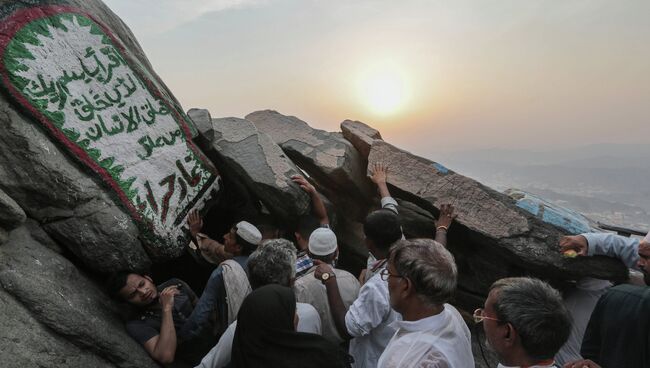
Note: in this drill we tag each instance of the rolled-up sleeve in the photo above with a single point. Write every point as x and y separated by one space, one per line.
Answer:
368 310
389 203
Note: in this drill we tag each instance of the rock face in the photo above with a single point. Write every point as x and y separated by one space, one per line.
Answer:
327 157
489 224
255 160
360 135
65 301
94 145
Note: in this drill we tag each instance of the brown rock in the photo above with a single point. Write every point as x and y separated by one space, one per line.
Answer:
360 135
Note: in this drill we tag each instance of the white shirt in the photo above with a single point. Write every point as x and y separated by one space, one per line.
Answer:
219 356
580 302
369 321
441 341
311 290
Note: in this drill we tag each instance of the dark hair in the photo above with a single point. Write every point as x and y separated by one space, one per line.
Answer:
382 228
306 225
537 313
116 282
246 247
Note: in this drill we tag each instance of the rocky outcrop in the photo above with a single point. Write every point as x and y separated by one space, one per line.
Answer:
252 158
331 160
66 301
93 144
360 135
489 221
27 343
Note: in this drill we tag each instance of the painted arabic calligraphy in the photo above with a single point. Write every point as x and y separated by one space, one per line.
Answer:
69 72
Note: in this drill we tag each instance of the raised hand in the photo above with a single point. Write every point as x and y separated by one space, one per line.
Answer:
195 222
446 216
304 184
379 173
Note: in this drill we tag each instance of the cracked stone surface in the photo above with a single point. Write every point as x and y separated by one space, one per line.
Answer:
261 165
329 158
66 301
492 237
360 135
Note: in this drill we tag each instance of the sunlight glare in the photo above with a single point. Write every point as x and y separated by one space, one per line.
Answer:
383 89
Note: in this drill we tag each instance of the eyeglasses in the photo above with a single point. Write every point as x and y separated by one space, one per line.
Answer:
385 274
479 316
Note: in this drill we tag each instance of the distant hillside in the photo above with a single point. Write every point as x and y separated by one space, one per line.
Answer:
607 182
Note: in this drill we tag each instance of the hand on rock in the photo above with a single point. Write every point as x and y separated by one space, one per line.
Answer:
446 216
195 222
304 184
574 243
586 363
379 173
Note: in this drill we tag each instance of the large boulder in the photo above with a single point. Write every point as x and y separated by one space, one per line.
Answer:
66 301
256 161
27 343
360 135
93 143
492 237
330 159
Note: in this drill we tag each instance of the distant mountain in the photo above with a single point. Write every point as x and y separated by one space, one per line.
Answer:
608 182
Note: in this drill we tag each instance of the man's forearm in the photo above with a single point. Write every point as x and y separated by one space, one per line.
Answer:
441 236
319 209
165 349
337 308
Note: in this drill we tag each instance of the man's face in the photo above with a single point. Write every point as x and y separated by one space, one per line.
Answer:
493 329
139 290
230 241
644 261
396 286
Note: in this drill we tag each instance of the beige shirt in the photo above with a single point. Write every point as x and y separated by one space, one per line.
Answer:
311 290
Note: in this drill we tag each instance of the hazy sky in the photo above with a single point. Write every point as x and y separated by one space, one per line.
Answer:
432 76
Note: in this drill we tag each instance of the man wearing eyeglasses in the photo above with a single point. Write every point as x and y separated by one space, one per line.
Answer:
525 322
421 276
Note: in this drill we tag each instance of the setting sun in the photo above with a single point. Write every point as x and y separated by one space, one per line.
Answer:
383 89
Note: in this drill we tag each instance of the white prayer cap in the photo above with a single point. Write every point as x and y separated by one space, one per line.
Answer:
647 238
248 232
322 242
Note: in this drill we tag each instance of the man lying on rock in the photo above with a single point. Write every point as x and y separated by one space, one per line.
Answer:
171 319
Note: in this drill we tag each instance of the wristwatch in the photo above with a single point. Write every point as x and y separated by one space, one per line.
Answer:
326 276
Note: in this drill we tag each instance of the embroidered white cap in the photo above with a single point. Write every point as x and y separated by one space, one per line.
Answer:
248 232
322 242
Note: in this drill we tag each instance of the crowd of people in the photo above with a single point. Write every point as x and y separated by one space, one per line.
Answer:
271 302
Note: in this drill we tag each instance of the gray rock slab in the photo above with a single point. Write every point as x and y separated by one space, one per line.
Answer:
261 165
54 161
328 157
27 343
360 135
203 123
66 301
11 215
487 219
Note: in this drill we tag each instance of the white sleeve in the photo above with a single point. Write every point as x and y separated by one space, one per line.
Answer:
608 244
308 319
220 355
389 203
369 309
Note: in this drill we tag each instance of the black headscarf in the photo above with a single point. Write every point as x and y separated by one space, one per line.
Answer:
266 337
